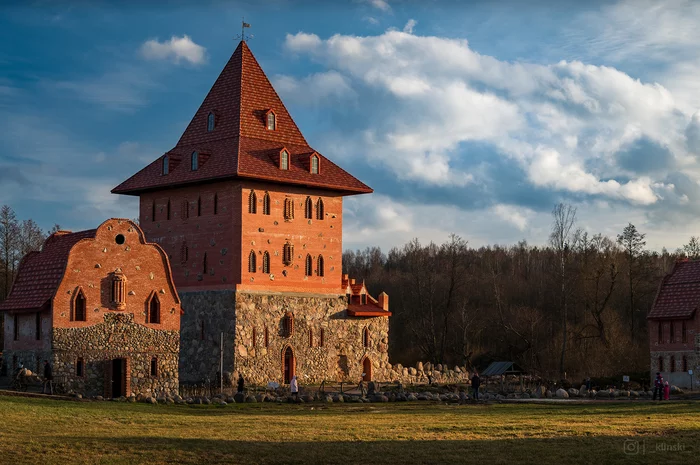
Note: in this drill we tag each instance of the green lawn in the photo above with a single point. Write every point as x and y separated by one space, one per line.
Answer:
43 431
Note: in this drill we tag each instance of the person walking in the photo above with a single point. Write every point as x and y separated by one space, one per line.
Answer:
658 386
667 391
476 382
294 387
241 382
48 378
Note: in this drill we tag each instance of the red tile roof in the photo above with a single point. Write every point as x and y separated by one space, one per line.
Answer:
679 293
240 144
40 273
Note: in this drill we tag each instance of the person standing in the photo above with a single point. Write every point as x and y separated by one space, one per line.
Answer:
294 387
48 378
667 391
241 382
658 386
476 382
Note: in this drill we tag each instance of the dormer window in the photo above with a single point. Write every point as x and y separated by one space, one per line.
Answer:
195 161
210 122
271 119
165 165
314 164
284 160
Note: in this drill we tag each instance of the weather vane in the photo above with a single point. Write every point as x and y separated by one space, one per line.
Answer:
244 37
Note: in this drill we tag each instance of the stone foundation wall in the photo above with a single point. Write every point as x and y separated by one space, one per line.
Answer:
32 359
678 377
206 315
117 337
341 356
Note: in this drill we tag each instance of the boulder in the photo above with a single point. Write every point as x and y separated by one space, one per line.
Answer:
99 398
573 392
411 398
419 366
562 394
338 398
230 400
548 394
151 400
329 399
525 395
412 371
239 397
676 390
251 399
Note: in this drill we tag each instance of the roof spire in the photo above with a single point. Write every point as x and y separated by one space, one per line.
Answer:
244 25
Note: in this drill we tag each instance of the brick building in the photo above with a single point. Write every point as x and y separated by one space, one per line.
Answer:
251 217
101 305
674 325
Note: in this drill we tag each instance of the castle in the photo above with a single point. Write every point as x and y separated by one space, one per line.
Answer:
251 218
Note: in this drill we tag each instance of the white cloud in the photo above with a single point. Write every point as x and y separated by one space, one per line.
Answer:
317 87
408 28
382 5
176 49
371 20
514 214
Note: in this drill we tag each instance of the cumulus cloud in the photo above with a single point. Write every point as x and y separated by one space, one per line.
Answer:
317 87
177 49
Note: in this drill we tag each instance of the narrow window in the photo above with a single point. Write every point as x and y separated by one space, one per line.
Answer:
349 296
252 202
365 338
321 337
168 210
671 336
661 364
184 253
684 336
271 123
16 328
199 206
201 330
216 204
154 310
308 208
319 209
363 299
287 254
266 263
79 367
311 337
210 122
266 204
267 337
314 164
204 264
288 324
195 161
38 326
252 266
685 363
255 336
288 209
154 367
284 160
319 266
185 209
165 165
79 307
673 363
309 265
153 211
661 332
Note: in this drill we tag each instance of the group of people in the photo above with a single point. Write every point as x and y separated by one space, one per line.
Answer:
661 387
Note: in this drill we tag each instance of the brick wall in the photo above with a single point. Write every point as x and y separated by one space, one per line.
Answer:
666 350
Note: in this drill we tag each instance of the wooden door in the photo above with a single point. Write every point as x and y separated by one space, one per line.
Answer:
289 365
367 369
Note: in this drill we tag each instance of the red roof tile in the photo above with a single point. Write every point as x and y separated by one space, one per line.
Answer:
240 144
40 273
679 293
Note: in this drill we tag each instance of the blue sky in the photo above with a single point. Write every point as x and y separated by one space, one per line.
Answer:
465 117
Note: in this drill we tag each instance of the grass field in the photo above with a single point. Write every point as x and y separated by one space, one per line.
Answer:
45 431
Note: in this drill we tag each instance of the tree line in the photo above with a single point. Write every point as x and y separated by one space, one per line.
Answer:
574 307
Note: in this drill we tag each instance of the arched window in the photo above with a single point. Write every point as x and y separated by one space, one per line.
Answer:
79 307
185 209
309 265
319 209
168 210
80 367
153 310
165 165
365 338
314 164
266 204
210 122
154 367
673 363
284 160
153 211
255 337
308 208
216 203
321 338
267 337
199 206
287 254
671 336
252 266
252 202
319 265
661 364
685 363
195 161
288 209
271 121
266 262
288 324
311 337
204 264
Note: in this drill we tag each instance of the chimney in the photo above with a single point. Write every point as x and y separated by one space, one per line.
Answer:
383 301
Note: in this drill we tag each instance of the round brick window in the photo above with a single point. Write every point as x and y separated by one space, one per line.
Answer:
120 239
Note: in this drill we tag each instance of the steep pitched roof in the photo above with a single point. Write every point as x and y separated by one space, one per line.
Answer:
679 293
40 273
240 144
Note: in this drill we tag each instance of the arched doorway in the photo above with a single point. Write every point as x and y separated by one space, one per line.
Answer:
288 364
367 369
